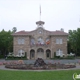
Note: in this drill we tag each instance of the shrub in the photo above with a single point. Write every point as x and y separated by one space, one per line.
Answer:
1 56
54 54
15 58
70 57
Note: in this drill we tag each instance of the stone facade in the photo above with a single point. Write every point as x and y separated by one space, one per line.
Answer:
40 43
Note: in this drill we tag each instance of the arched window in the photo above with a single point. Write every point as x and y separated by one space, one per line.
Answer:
32 53
48 53
40 53
40 50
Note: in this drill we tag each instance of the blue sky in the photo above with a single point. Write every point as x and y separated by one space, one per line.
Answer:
23 14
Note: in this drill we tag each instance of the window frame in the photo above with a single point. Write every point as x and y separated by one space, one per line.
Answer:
21 41
59 41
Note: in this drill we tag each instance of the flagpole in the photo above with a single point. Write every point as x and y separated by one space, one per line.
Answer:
40 12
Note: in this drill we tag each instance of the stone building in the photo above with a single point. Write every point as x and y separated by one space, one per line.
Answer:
40 43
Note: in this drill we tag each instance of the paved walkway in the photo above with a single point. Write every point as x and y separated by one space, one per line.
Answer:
52 61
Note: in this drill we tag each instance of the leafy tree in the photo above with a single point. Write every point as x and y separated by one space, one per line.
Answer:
74 41
6 42
14 29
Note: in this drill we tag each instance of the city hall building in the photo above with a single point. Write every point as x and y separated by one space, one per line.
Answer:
40 43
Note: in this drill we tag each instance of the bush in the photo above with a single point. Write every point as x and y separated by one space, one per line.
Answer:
1 56
15 58
54 54
56 57
70 57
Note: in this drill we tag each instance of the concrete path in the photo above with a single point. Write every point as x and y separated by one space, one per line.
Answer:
47 61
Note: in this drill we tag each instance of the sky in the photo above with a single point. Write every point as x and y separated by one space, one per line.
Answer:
23 14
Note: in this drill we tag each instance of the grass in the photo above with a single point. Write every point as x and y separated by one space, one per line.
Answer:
35 75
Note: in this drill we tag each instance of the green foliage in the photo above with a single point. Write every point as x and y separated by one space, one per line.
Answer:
68 57
74 41
54 54
25 54
56 57
16 58
6 42
14 29
37 75
1 56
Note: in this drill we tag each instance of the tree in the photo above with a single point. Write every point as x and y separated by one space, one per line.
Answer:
74 41
6 42
14 29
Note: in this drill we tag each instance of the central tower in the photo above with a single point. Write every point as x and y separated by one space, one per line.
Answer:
40 23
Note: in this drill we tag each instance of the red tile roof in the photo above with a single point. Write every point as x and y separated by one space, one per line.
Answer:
51 33
21 33
59 33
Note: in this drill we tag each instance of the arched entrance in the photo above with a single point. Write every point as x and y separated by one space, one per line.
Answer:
48 54
32 54
40 53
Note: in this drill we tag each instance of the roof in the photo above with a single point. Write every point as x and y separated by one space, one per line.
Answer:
40 22
52 33
58 33
21 33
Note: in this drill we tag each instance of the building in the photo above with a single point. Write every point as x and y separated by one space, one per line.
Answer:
40 43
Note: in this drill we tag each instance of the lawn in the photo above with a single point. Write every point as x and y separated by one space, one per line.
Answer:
37 75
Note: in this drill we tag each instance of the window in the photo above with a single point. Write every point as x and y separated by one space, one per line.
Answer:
40 32
47 55
59 52
20 41
40 41
21 53
32 55
32 41
58 41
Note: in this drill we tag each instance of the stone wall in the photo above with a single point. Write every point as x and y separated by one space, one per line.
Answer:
44 34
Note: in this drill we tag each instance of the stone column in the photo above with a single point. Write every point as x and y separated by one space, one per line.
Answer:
44 54
51 53
28 54
35 54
